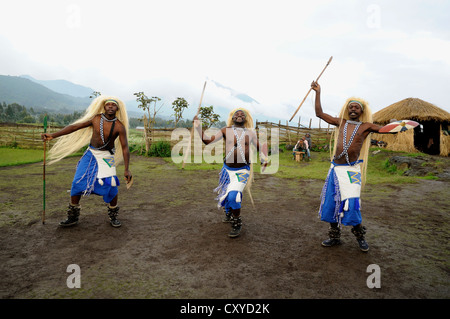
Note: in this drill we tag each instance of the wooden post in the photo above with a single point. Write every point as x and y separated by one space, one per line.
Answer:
188 151
328 132
43 173
288 132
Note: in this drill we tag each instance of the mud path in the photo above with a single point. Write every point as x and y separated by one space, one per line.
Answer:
173 243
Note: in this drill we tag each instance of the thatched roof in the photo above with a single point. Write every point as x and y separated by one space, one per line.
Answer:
411 109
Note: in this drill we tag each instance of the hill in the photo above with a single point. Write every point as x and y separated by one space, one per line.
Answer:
239 95
63 87
14 89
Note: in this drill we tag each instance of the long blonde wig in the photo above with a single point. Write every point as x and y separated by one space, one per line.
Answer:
248 125
366 116
71 143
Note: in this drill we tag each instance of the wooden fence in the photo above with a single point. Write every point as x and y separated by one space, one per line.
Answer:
29 136
24 135
291 134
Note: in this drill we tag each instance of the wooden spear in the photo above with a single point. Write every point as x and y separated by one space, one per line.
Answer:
311 89
188 149
43 175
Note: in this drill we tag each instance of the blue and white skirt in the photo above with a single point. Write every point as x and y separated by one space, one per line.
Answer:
96 174
341 195
232 182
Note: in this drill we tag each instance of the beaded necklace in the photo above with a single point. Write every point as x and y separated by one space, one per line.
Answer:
346 146
102 134
238 144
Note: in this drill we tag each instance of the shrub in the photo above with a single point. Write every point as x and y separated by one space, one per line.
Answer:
160 149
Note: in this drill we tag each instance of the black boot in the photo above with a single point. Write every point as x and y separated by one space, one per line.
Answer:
359 231
228 217
334 234
72 216
113 212
236 227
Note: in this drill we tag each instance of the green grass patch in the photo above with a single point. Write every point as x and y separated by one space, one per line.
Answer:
157 149
378 172
17 156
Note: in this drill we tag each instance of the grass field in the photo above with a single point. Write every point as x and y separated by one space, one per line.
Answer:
17 156
378 171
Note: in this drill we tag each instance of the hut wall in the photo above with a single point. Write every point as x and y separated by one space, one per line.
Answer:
402 142
445 144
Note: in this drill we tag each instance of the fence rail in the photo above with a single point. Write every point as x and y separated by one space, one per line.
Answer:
291 134
29 136
24 135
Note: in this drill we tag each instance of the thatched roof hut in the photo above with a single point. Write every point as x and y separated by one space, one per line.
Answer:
431 136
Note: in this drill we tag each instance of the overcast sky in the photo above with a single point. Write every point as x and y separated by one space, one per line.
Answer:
383 51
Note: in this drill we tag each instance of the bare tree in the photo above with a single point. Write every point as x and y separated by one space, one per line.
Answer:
145 104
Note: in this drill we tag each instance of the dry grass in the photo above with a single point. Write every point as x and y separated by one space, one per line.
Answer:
445 145
411 109
402 142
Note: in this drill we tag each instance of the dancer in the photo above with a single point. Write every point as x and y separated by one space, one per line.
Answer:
340 199
105 127
237 171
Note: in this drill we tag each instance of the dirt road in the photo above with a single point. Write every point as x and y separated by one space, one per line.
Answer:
173 243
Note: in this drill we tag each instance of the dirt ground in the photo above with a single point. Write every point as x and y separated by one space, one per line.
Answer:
173 243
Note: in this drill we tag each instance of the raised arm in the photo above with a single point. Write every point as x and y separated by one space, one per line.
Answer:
66 130
207 139
374 128
318 107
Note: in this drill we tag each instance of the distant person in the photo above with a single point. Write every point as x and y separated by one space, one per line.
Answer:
298 147
104 126
430 143
305 145
308 139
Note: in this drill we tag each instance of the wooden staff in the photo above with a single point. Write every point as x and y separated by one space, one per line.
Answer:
188 150
311 89
43 174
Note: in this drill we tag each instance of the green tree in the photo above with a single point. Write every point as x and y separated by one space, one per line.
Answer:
208 116
178 106
28 119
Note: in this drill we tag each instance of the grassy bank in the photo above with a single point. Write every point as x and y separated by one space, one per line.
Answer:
17 156
379 171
